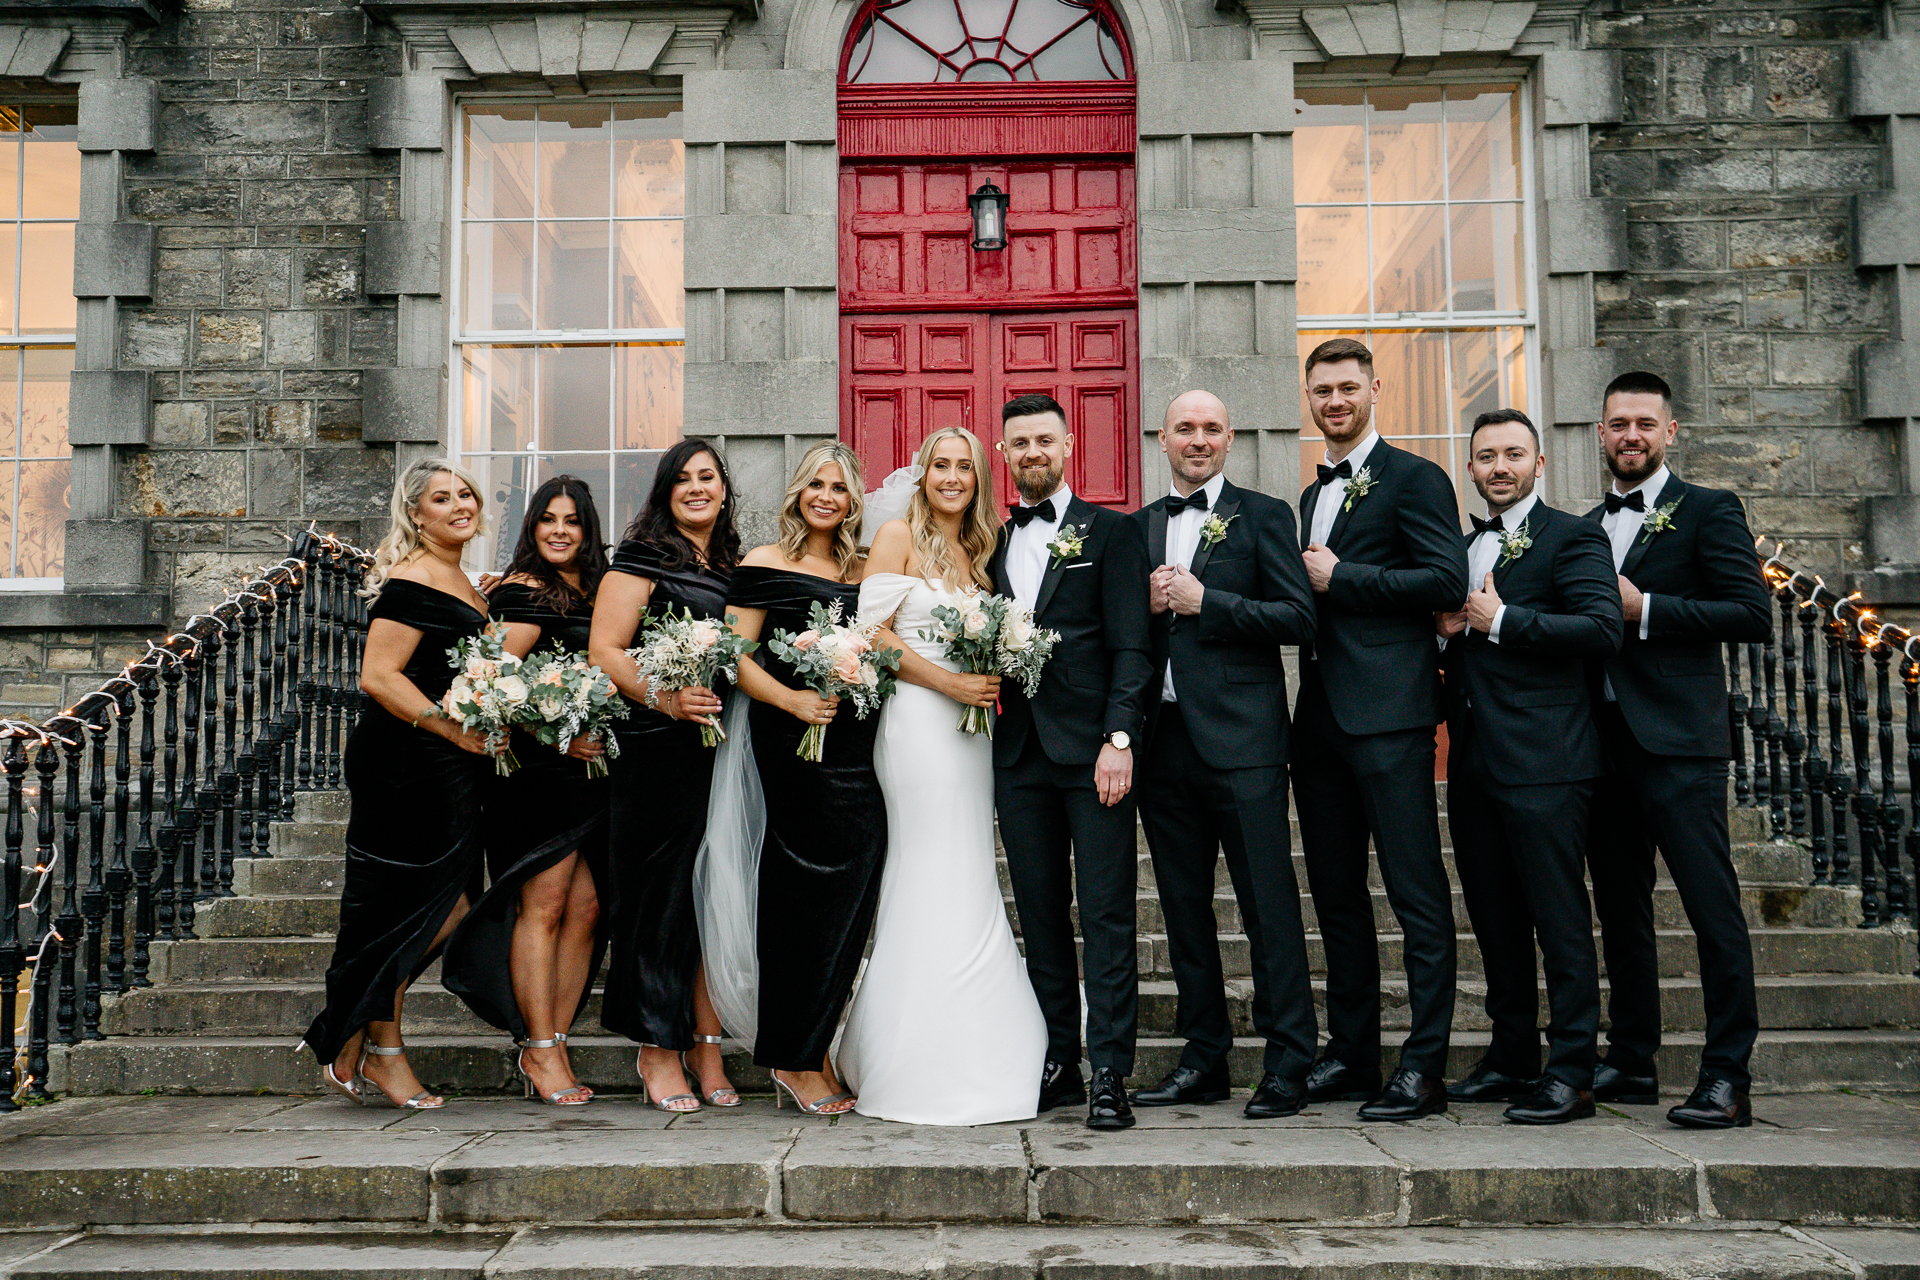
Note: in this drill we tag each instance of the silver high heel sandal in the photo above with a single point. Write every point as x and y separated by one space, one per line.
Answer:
586 1088
345 1088
571 1096
816 1108
726 1095
664 1104
421 1101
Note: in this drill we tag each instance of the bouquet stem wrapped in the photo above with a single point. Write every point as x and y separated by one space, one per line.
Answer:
992 635
837 659
685 652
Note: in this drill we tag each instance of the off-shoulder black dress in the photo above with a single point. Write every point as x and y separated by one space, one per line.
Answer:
656 817
414 834
537 815
826 839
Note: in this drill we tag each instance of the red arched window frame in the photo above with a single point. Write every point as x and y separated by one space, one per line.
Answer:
981 42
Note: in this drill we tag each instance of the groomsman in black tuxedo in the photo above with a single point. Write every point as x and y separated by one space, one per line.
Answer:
1381 536
1229 591
1689 584
1064 760
1522 758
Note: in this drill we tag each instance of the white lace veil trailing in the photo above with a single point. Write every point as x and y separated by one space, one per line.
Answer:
889 501
726 878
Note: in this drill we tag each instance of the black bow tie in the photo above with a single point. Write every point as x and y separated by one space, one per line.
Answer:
1481 526
1022 516
1344 471
1635 501
1195 501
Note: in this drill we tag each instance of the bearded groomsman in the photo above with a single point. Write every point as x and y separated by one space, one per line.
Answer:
1381 537
1523 755
1230 589
1689 584
1063 760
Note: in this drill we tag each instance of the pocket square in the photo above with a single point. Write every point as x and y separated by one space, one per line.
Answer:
1078 564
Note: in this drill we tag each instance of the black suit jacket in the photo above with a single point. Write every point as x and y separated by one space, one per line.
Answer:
1521 709
1705 577
1096 682
1226 658
1401 562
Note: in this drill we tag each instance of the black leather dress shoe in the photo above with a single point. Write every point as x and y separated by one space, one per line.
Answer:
1331 1080
1107 1102
1713 1104
1185 1084
1061 1085
1408 1096
1486 1084
1276 1097
1554 1102
1613 1085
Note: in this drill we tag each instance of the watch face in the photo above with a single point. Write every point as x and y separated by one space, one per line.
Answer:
1120 741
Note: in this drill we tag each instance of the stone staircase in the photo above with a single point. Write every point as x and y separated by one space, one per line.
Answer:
1840 1006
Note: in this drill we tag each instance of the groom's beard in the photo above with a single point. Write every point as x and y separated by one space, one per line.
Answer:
1037 483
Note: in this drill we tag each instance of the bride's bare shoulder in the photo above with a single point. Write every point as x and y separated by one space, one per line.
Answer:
892 547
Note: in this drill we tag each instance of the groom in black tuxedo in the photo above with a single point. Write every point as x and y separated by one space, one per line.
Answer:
1064 759
1229 591
1380 533
1689 584
1522 759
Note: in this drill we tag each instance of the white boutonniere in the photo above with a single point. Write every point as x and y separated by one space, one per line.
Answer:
1513 545
1659 522
1358 487
1066 545
1215 528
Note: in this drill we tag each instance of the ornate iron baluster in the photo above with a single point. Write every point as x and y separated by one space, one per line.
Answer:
1839 785
209 796
39 1024
13 956
325 691
286 637
1895 903
119 874
189 806
144 854
85 930
165 895
1773 729
67 923
1865 802
1737 727
307 685
93 904
1910 677
249 756
229 736
336 705
1816 763
1757 726
1796 741
113 889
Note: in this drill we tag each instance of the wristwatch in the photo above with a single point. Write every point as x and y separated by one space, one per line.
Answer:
1119 740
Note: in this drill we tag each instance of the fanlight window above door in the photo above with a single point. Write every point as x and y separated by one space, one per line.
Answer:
947 41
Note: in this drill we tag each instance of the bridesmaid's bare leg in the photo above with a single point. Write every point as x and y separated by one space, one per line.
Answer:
706 1060
535 962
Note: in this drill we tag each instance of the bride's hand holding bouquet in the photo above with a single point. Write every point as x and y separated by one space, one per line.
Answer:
991 636
836 660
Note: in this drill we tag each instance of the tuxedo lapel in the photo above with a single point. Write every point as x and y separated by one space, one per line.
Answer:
997 562
1500 571
1670 492
1376 468
1157 533
1080 518
1309 499
1229 503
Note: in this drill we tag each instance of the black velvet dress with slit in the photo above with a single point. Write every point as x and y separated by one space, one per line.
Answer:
536 816
414 835
826 839
656 818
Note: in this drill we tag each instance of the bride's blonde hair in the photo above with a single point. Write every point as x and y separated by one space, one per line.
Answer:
978 528
403 534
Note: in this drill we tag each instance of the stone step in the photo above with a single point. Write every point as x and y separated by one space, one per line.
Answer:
1783 1062
491 1163
1028 1252
284 1009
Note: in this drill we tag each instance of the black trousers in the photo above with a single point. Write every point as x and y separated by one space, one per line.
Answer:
1679 804
1521 855
1347 788
1192 813
1060 840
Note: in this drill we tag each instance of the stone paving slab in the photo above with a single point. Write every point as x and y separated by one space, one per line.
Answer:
19 1247
1596 1173
1881 1253
1804 1177
878 1172
243 1257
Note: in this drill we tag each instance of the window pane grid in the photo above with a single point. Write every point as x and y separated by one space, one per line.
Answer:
570 322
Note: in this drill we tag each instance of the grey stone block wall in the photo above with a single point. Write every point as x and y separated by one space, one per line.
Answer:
1738 162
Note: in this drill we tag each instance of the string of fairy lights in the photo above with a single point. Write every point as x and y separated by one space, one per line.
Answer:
1814 593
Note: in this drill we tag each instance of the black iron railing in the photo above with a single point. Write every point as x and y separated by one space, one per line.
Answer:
1814 742
225 721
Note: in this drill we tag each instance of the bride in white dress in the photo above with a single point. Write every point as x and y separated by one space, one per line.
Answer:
944 1028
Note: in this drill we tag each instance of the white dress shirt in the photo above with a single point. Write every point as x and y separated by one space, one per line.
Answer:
1027 554
1183 541
1623 526
1483 553
1326 507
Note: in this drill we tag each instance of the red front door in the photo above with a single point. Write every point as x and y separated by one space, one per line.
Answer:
936 334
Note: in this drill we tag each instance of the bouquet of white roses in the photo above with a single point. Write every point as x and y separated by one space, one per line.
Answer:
488 695
684 652
992 636
837 659
568 697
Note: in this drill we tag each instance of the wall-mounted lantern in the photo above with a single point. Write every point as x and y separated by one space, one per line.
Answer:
989 205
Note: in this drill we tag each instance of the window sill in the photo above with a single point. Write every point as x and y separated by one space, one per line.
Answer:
78 607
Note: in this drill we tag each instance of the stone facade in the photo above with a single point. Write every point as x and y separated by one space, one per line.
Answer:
1720 193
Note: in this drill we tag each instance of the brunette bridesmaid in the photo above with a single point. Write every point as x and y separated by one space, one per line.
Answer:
827 821
524 957
677 554
417 782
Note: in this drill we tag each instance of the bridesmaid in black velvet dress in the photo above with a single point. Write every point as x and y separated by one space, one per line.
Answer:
524 957
826 822
417 782
677 554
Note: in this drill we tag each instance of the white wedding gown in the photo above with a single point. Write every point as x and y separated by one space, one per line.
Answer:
945 1028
